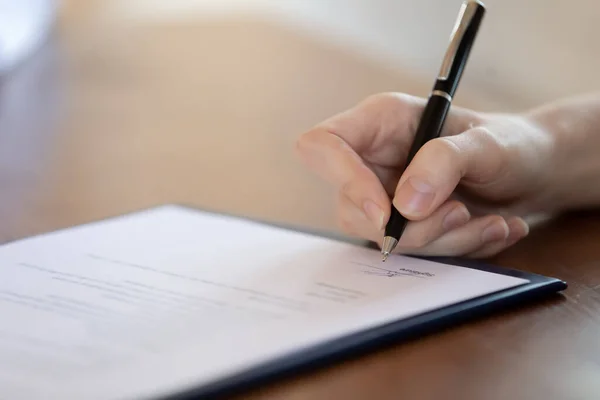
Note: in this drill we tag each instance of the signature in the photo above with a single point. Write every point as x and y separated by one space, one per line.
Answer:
380 271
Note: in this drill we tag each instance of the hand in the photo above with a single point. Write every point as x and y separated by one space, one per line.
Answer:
464 193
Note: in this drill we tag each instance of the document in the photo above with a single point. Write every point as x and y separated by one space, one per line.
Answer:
164 300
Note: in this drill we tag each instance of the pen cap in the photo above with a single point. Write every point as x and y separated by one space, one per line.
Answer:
461 42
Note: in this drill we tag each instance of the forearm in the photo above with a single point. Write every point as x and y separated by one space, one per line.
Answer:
574 124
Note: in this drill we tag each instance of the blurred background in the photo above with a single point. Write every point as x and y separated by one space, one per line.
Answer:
528 51
113 105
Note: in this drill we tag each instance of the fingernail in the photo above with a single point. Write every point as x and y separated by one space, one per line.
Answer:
495 231
526 229
414 196
374 213
455 218
514 238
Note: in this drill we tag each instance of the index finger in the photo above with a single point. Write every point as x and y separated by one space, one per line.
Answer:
378 131
334 160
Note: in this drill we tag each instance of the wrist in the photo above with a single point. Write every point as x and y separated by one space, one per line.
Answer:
571 127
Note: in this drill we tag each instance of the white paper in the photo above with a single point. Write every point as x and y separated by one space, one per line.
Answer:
167 299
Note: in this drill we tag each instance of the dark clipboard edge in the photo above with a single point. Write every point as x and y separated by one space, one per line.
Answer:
361 343
355 345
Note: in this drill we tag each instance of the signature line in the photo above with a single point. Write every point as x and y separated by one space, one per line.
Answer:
388 270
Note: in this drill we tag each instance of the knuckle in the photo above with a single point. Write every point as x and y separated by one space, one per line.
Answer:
300 144
378 98
346 188
443 152
491 143
486 138
445 148
304 141
389 100
483 133
415 240
353 188
345 223
343 216
420 241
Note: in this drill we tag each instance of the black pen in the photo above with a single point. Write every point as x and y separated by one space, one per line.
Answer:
439 102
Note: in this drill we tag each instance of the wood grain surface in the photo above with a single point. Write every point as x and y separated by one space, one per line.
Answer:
106 121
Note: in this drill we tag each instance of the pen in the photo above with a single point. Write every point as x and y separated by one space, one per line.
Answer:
439 102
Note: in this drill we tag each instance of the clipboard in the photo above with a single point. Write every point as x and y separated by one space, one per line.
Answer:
393 333
315 354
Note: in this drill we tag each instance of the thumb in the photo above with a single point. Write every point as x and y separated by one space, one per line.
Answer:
439 166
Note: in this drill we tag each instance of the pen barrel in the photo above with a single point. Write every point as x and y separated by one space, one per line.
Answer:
437 107
396 224
431 125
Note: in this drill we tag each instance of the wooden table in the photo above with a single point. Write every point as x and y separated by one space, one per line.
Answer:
105 121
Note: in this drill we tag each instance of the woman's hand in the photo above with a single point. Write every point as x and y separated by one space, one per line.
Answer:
464 193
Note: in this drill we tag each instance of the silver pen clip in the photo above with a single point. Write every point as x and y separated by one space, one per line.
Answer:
465 15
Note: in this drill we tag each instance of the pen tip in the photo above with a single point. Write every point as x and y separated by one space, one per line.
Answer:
385 256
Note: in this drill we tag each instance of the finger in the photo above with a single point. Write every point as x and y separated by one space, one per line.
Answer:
449 216
336 162
464 240
354 221
518 229
385 122
380 129
417 234
439 166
